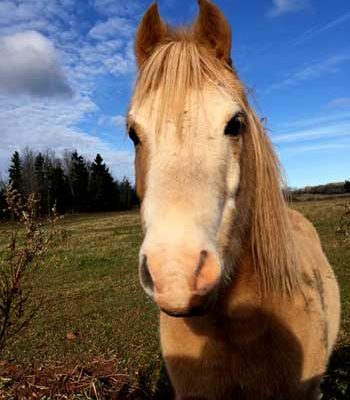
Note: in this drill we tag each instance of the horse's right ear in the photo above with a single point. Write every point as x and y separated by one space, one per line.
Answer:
151 32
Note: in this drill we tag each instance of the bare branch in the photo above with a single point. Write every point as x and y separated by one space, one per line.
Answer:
24 253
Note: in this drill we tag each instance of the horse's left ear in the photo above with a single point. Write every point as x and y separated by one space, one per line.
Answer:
213 31
151 32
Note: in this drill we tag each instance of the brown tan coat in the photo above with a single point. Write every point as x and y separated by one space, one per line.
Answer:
220 241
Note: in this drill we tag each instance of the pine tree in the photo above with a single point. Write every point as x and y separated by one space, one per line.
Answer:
29 185
39 170
41 182
347 186
125 194
58 189
79 182
3 205
101 186
71 182
15 172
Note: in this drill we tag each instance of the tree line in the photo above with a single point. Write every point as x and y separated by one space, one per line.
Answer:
328 189
70 183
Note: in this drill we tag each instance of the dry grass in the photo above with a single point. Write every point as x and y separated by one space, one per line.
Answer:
91 286
96 380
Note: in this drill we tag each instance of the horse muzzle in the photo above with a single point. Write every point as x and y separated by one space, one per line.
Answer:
183 284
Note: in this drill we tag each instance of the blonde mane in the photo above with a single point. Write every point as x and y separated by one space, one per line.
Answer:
173 69
270 234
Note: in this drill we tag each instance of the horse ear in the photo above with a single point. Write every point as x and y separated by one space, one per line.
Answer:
213 31
151 32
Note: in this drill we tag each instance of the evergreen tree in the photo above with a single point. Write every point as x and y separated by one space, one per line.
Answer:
3 205
39 170
101 186
125 194
347 186
29 183
41 182
58 188
15 172
134 199
70 183
79 182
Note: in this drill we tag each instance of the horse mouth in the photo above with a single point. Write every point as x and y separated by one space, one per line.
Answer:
192 312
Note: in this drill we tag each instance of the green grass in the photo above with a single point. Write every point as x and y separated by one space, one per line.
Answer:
90 286
325 216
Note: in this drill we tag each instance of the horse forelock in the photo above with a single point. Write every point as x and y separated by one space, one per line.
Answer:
175 69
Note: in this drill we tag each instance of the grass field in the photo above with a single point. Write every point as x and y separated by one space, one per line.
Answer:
90 287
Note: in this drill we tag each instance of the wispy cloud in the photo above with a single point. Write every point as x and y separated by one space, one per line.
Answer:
339 102
320 120
331 131
315 31
107 120
120 8
318 147
312 71
112 28
42 125
323 132
281 7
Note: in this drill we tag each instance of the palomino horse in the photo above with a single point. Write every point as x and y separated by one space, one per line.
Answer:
249 304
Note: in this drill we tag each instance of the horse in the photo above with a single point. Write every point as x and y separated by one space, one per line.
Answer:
249 305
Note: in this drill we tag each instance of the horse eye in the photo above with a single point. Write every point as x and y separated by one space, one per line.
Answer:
133 136
235 126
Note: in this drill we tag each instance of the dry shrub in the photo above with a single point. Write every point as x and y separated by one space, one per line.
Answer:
343 227
28 244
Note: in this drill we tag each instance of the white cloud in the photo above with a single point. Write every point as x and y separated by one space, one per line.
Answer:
120 8
323 132
315 31
107 120
42 125
29 65
112 28
281 7
86 60
16 11
312 71
331 131
319 147
340 102
119 120
46 15
324 119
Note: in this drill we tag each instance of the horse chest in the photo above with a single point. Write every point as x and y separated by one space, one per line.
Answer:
245 354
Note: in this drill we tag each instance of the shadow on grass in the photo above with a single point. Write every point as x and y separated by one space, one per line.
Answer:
335 384
143 389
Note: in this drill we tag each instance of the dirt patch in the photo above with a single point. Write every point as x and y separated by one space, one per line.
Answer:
98 380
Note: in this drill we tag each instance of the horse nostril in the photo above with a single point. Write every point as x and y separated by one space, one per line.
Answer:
202 258
146 277
208 272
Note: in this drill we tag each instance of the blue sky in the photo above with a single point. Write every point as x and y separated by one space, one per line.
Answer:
67 72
